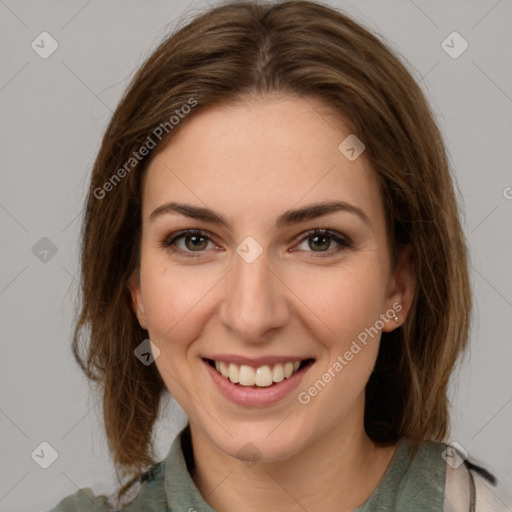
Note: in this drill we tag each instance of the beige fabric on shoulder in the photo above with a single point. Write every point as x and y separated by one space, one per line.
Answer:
457 489
467 491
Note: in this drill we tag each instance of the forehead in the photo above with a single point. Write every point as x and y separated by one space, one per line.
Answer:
260 157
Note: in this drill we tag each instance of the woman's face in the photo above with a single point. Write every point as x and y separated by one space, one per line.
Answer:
259 287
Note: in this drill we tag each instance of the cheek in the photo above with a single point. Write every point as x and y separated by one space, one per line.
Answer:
343 301
174 299
349 303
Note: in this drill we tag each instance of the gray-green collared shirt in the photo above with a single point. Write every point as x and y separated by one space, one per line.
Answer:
407 485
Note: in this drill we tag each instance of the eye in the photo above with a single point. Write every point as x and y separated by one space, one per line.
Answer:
194 240
320 240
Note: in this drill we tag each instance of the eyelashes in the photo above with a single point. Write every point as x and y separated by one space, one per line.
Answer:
320 236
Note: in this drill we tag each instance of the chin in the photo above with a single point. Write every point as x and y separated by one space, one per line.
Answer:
252 443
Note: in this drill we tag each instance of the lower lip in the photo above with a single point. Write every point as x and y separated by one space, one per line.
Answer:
254 397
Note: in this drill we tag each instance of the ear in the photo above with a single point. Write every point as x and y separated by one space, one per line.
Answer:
402 285
133 285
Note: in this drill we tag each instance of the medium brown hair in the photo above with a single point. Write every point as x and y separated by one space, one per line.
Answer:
299 48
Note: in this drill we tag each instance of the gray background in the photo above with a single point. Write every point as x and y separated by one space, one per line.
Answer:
53 114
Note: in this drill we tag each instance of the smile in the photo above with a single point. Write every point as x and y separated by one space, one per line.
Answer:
256 386
262 376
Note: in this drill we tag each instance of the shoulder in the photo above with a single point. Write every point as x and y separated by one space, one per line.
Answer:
413 480
487 499
147 493
420 475
469 487
437 476
83 500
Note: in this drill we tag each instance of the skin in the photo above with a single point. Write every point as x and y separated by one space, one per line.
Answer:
251 162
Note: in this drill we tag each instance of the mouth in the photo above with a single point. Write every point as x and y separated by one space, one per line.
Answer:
264 376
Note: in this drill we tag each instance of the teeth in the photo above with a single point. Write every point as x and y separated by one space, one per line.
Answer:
233 373
246 375
223 369
263 376
277 373
288 370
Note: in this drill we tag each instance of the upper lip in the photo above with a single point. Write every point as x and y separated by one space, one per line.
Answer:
255 362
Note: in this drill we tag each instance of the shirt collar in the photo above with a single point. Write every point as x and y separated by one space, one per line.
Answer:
181 491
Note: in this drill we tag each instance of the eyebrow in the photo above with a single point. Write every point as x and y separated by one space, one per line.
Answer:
288 218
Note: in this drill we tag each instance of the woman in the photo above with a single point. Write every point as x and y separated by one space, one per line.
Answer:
272 236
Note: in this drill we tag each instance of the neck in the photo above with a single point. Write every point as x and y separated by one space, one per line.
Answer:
338 471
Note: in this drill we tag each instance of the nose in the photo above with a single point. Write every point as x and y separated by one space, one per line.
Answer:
255 303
